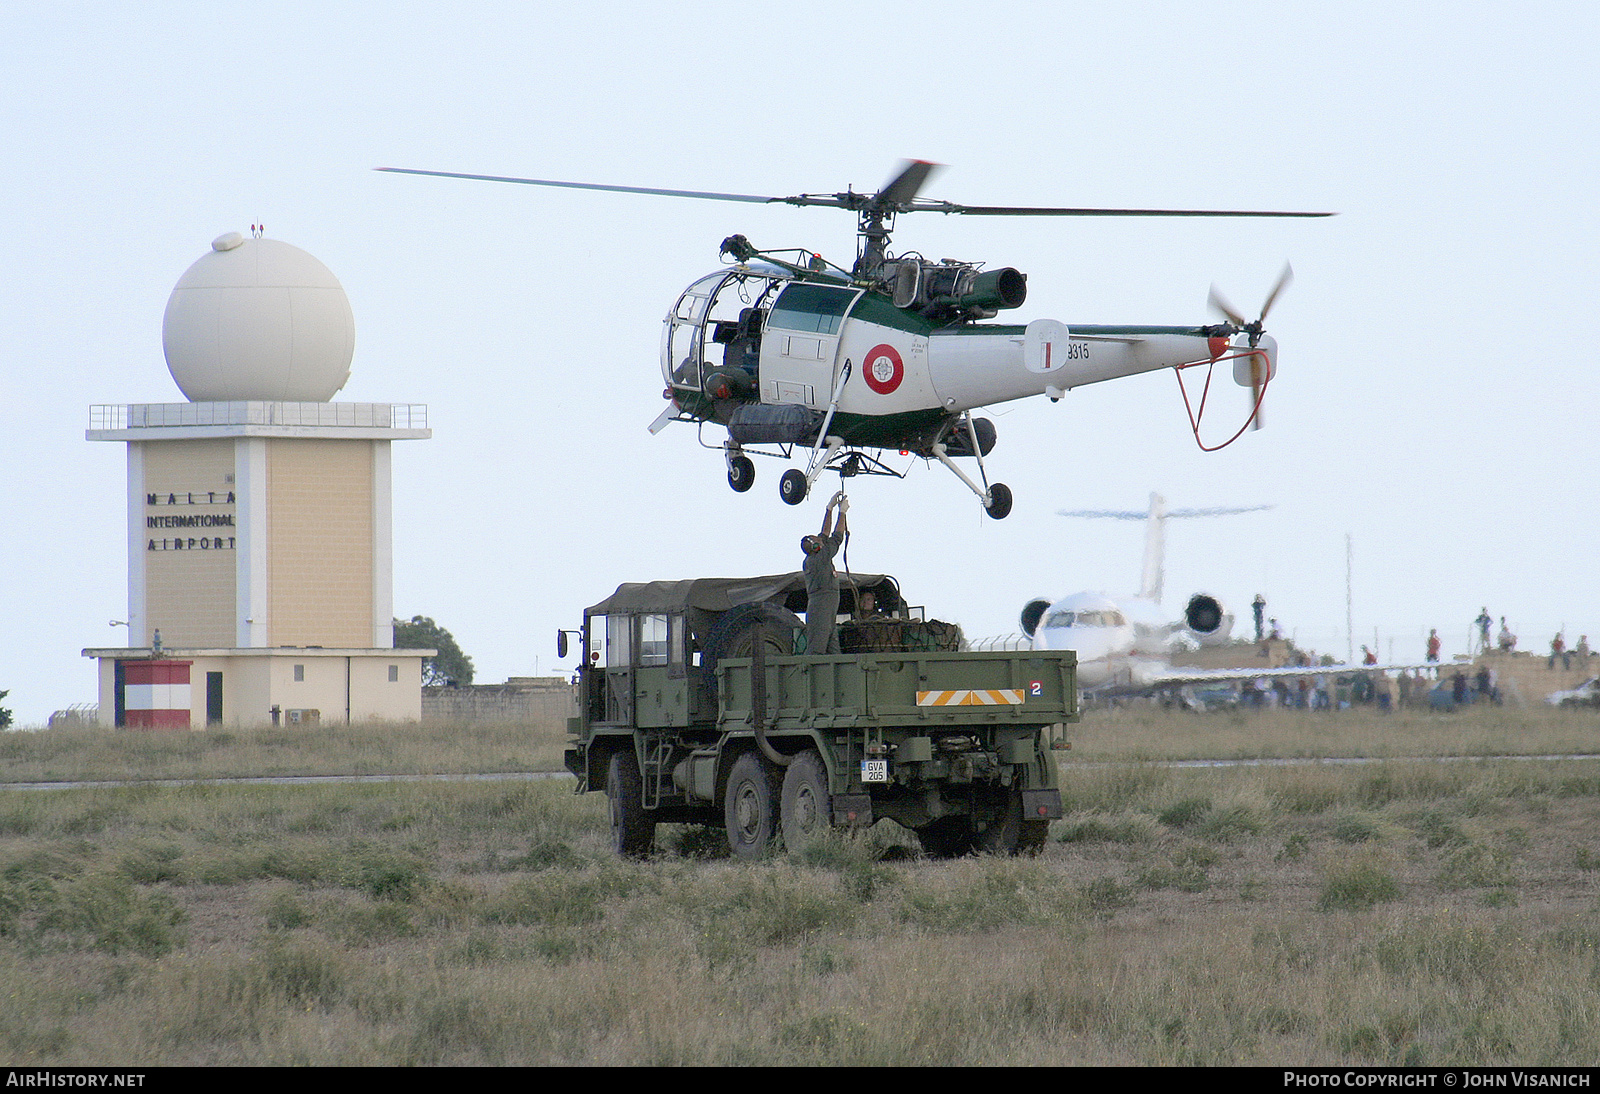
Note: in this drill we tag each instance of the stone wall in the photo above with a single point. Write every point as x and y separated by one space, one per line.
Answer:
531 699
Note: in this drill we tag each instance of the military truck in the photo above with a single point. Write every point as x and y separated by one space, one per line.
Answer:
700 705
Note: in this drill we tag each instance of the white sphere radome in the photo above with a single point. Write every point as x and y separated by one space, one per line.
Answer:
258 319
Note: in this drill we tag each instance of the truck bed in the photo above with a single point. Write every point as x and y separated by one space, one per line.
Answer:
913 691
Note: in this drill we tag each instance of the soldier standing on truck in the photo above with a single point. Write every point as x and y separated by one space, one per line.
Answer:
822 580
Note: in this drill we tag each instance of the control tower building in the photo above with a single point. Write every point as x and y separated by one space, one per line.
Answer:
259 512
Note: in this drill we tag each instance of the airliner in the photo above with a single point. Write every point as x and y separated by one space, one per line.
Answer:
1125 643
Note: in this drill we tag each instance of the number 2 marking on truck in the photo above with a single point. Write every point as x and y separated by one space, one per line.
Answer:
1036 687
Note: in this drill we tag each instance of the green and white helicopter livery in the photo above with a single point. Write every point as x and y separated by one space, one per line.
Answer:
794 356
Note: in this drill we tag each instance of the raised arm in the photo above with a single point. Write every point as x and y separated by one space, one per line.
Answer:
827 518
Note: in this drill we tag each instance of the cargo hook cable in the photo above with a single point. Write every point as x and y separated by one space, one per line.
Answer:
844 548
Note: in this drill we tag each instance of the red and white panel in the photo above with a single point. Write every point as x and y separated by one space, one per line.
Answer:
155 694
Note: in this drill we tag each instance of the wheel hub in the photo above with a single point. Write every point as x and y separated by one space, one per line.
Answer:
748 812
805 809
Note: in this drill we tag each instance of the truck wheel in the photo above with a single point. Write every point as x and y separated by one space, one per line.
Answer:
1010 834
947 837
633 831
741 629
1031 840
806 808
750 806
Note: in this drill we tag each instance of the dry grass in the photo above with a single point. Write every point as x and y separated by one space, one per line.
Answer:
391 748
1135 733
1148 732
1397 912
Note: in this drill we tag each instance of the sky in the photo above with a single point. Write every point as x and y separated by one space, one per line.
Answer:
1433 409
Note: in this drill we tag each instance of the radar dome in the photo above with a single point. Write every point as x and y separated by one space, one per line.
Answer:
258 319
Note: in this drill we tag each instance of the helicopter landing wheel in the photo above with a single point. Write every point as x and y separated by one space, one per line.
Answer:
999 503
792 487
741 473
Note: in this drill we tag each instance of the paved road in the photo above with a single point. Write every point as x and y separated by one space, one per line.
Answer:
525 776
285 780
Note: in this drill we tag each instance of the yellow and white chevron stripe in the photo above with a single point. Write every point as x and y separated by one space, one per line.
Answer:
973 697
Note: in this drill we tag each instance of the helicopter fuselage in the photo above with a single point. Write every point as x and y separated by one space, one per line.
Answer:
777 357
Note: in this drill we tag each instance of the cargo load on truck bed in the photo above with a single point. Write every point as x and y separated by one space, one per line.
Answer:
697 708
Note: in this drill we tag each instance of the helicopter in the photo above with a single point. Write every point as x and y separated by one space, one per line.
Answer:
794 355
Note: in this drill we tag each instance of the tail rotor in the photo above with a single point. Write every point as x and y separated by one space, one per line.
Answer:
1260 370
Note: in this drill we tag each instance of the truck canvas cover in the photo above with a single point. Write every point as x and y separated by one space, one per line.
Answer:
718 594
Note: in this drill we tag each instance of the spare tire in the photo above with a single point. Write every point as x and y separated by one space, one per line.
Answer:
741 628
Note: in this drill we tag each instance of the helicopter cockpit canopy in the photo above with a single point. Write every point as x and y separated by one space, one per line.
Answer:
711 339
715 328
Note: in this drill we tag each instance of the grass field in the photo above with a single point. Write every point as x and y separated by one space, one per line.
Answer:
361 749
1396 912
1129 734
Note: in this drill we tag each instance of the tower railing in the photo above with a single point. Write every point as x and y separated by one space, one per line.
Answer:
121 416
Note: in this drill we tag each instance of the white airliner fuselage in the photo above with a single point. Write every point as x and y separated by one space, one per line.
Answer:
1122 641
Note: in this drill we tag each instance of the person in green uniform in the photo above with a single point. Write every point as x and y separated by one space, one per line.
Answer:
822 580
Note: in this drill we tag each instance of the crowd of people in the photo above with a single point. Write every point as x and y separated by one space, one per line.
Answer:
1411 686
1506 642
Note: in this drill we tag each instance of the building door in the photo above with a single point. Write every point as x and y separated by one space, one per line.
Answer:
120 696
213 698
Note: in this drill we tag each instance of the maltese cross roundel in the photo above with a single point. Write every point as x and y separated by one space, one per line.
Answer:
883 370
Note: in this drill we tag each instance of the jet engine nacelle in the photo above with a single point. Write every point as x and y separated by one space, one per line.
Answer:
953 286
1032 612
1206 620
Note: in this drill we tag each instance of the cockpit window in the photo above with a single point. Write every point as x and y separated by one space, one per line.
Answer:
816 309
716 323
1086 619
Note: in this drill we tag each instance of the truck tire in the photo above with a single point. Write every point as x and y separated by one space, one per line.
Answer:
633 830
948 837
1010 834
1031 840
750 806
806 810
741 628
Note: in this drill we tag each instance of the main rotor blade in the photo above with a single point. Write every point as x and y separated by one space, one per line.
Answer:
1045 211
900 193
704 194
905 186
